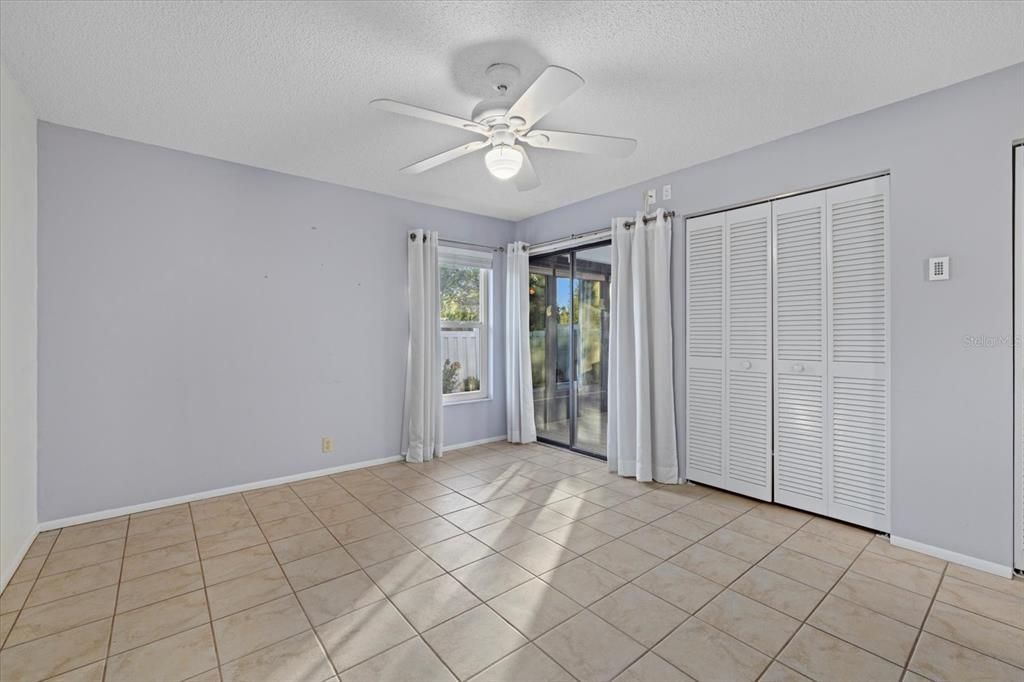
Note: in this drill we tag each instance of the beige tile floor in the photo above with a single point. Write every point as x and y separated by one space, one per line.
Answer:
496 563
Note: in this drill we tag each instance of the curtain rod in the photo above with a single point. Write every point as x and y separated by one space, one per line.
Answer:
482 247
646 219
584 235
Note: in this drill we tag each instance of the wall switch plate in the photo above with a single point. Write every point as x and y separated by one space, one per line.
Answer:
326 444
938 268
666 192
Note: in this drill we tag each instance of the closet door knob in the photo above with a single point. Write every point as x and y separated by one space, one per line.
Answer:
746 364
798 368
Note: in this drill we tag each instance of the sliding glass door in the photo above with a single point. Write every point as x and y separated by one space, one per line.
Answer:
569 308
550 310
592 299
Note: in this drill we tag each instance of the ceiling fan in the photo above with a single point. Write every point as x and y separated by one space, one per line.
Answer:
504 123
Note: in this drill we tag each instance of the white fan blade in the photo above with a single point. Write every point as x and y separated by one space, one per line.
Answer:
582 143
429 115
550 89
526 178
444 157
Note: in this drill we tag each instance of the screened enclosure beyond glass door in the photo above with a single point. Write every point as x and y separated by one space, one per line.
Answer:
569 308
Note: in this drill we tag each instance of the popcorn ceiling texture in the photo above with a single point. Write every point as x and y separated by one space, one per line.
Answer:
285 85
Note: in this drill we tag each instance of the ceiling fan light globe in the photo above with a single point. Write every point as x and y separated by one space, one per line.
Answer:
503 161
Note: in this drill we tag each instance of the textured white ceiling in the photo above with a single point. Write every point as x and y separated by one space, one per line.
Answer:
285 85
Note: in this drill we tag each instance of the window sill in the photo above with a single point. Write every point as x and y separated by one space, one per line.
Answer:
454 403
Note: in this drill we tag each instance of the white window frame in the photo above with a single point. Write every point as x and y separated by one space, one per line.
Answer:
484 325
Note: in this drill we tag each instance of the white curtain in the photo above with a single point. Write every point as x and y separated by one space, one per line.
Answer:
518 369
421 426
641 397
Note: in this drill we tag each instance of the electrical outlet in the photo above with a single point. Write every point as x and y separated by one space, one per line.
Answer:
666 192
326 444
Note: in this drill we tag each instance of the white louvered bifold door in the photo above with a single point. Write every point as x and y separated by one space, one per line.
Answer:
748 324
801 414
858 352
705 349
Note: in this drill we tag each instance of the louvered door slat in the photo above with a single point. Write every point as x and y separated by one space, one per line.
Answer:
858 353
801 469
705 349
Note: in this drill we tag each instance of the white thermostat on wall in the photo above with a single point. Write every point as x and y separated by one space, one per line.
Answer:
938 268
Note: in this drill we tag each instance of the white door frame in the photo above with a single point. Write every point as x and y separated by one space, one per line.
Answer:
1018 356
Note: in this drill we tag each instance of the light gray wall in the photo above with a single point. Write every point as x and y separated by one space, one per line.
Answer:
949 155
203 324
17 325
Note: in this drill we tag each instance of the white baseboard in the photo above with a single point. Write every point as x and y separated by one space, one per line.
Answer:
469 444
955 557
7 571
146 506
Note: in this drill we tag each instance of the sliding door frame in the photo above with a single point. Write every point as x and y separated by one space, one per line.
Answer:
573 369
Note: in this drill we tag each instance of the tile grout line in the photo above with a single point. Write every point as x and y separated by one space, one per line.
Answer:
387 598
924 621
919 628
173 597
534 576
109 636
419 635
614 538
482 602
294 593
117 594
361 569
115 614
952 641
775 658
168 636
529 641
206 592
17 614
587 608
134 648
724 587
692 542
976 613
159 601
849 569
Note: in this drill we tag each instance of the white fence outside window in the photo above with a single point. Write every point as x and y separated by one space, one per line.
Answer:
462 346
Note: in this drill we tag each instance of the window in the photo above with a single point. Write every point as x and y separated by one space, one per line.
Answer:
465 324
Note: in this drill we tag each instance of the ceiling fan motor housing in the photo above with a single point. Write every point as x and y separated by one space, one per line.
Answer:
491 111
501 134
